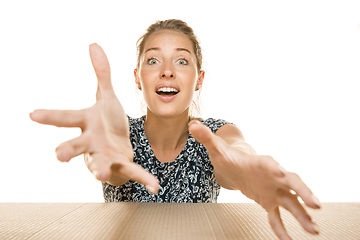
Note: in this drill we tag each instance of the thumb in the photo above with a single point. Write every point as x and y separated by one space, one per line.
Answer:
203 135
215 145
102 70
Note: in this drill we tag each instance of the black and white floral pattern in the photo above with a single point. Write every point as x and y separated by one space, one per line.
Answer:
189 178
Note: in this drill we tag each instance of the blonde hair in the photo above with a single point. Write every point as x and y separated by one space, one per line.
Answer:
182 27
171 24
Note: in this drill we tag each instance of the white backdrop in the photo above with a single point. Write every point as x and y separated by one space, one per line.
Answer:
285 73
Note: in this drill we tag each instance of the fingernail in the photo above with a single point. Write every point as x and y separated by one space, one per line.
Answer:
316 200
282 170
32 114
316 228
192 122
150 189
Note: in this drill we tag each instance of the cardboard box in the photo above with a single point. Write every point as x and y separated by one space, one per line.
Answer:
168 221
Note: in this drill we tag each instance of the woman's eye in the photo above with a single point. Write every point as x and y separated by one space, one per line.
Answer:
152 61
182 61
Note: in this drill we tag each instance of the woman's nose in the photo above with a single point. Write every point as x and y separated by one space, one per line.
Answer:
167 72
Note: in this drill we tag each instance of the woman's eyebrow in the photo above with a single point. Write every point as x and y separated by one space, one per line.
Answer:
153 48
183 49
158 49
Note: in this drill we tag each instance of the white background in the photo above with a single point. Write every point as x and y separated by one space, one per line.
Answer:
285 73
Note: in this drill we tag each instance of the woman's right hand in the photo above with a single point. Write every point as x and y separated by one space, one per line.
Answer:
105 132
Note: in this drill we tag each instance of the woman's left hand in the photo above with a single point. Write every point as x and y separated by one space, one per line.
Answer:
260 178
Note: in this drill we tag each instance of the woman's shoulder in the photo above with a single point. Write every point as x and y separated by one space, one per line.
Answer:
213 123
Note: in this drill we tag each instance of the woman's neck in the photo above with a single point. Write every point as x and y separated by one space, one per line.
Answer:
167 136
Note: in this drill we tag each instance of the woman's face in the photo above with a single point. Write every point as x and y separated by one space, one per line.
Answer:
167 73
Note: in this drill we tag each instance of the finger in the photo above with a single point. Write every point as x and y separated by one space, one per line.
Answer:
59 118
277 224
291 203
99 166
70 149
102 70
136 173
295 183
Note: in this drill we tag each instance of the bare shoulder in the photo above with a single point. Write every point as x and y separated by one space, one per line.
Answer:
230 133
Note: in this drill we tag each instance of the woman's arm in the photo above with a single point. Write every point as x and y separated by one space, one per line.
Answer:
234 137
260 178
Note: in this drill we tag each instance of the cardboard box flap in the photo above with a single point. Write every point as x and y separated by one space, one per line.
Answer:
166 221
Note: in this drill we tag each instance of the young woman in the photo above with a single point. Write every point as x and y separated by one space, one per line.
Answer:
166 152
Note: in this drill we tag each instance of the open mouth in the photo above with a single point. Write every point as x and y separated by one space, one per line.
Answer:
165 91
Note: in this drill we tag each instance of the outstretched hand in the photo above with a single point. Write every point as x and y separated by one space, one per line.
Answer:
260 178
105 132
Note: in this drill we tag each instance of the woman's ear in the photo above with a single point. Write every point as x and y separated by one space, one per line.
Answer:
137 80
200 80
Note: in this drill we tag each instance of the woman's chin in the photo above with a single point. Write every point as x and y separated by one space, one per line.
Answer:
168 112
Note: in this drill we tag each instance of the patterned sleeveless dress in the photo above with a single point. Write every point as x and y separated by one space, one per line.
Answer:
188 179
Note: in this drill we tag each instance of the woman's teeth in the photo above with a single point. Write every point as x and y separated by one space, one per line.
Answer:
167 90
